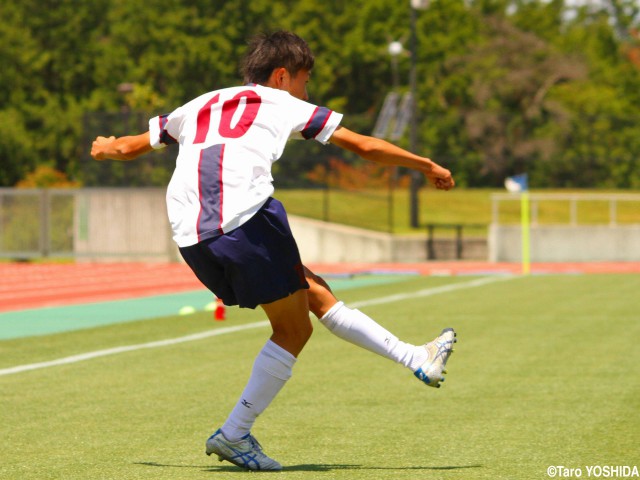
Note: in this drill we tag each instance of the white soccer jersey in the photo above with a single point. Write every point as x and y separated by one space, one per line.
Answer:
228 141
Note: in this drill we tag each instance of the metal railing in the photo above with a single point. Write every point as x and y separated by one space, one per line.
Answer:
36 222
458 242
84 223
610 215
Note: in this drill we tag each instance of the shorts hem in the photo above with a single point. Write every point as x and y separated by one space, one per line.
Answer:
265 302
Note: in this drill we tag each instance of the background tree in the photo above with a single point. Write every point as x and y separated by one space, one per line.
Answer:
503 85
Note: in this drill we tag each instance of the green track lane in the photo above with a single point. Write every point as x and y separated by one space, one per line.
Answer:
49 320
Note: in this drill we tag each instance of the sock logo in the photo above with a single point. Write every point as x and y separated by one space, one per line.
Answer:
247 404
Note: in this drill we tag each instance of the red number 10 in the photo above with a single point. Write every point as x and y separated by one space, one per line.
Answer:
229 108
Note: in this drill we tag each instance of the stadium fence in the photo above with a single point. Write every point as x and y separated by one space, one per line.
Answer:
586 227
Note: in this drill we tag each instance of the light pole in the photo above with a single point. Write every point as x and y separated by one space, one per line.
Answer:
416 178
395 49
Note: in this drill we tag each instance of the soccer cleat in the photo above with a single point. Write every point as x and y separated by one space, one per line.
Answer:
245 453
439 351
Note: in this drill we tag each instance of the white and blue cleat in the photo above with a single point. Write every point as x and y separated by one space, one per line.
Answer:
439 349
245 453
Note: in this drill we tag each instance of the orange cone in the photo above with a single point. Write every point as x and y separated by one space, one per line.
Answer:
220 311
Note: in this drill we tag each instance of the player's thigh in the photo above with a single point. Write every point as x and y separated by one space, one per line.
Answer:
262 259
209 271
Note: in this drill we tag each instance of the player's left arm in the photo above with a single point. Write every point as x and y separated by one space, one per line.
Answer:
381 151
122 148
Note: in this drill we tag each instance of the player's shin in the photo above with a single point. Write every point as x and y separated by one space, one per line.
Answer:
271 370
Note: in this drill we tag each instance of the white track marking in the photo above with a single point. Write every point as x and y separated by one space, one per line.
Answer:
226 330
131 348
427 292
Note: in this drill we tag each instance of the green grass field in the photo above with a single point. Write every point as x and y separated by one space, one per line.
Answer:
546 372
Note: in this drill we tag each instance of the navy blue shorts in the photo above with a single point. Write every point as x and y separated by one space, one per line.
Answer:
254 264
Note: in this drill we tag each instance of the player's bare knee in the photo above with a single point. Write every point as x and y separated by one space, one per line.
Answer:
316 281
301 331
293 336
320 296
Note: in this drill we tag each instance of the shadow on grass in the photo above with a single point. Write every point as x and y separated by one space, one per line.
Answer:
330 467
315 467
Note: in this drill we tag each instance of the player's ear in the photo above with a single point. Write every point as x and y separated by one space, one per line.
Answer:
279 78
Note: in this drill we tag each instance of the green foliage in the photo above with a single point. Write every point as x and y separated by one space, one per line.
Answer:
46 177
503 86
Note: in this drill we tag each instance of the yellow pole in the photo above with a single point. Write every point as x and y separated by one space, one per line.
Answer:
524 223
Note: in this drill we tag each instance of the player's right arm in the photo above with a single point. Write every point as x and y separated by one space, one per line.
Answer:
381 151
122 148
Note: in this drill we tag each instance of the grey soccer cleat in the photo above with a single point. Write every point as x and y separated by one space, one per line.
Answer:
431 372
245 453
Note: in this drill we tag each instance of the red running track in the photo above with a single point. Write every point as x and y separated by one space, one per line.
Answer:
24 285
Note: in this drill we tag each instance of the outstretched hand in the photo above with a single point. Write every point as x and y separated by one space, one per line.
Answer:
440 178
124 148
98 148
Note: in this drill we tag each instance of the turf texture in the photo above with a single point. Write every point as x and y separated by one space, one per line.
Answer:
546 373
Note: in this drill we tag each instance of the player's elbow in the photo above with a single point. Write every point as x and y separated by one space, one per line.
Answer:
362 145
370 148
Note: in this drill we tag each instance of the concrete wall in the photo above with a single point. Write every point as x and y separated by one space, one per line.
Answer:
324 242
132 225
122 225
563 243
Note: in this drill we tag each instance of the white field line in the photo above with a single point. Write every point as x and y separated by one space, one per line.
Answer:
223 331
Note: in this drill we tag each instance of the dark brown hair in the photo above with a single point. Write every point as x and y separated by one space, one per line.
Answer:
267 52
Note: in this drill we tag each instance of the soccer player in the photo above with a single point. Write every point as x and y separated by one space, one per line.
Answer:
236 238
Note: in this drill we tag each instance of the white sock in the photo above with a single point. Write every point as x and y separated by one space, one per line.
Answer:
356 327
271 370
